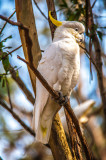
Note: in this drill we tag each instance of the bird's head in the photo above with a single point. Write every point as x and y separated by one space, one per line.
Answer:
69 29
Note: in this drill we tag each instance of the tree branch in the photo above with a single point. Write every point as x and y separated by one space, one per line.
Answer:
27 40
26 29
13 23
90 58
41 78
40 10
98 59
28 37
73 138
11 52
21 84
6 22
93 4
66 106
4 105
51 7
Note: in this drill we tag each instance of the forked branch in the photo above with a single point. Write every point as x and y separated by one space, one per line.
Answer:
4 105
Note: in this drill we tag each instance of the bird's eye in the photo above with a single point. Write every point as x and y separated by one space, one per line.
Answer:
76 29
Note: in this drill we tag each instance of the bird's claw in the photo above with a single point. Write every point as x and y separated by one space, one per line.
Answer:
62 100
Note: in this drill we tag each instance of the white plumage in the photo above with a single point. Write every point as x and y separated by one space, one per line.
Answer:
59 65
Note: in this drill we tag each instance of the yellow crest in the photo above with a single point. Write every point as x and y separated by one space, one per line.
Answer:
54 21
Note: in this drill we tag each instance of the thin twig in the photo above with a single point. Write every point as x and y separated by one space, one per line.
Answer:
8 91
21 84
4 105
13 23
6 22
42 50
29 45
90 54
9 73
28 129
51 7
11 52
90 58
93 4
1 158
27 37
66 106
40 10
98 61
5 39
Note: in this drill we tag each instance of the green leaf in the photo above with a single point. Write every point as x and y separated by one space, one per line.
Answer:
64 4
15 66
100 34
9 37
6 64
1 55
17 73
9 47
1 46
3 82
0 78
95 26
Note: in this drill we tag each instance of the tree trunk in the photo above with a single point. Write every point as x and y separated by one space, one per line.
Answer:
32 51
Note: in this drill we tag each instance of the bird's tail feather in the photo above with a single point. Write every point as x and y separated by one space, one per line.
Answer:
43 134
42 120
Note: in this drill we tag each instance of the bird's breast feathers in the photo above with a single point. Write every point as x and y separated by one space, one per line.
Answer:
60 54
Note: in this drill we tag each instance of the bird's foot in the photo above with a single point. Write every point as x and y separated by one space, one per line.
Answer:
62 100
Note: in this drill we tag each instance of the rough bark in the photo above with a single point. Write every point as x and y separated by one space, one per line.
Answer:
98 58
75 144
58 141
32 51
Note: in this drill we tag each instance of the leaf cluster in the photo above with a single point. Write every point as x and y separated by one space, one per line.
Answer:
4 58
75 10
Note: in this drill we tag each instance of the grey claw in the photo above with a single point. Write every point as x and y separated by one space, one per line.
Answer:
66 99
62 100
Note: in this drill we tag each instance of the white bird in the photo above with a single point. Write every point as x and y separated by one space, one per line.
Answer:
60 66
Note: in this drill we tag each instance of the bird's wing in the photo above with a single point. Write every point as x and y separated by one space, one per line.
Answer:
50 63
48 67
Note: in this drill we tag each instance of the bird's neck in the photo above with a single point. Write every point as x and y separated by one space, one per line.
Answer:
60 35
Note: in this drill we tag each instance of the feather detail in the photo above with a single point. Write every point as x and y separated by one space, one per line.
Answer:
59 65
44 131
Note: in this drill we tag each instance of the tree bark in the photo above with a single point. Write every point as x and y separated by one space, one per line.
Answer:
98 58
32 51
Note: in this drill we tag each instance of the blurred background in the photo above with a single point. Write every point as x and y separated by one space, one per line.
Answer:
15 142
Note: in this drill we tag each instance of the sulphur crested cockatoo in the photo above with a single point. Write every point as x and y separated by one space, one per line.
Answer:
60 66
